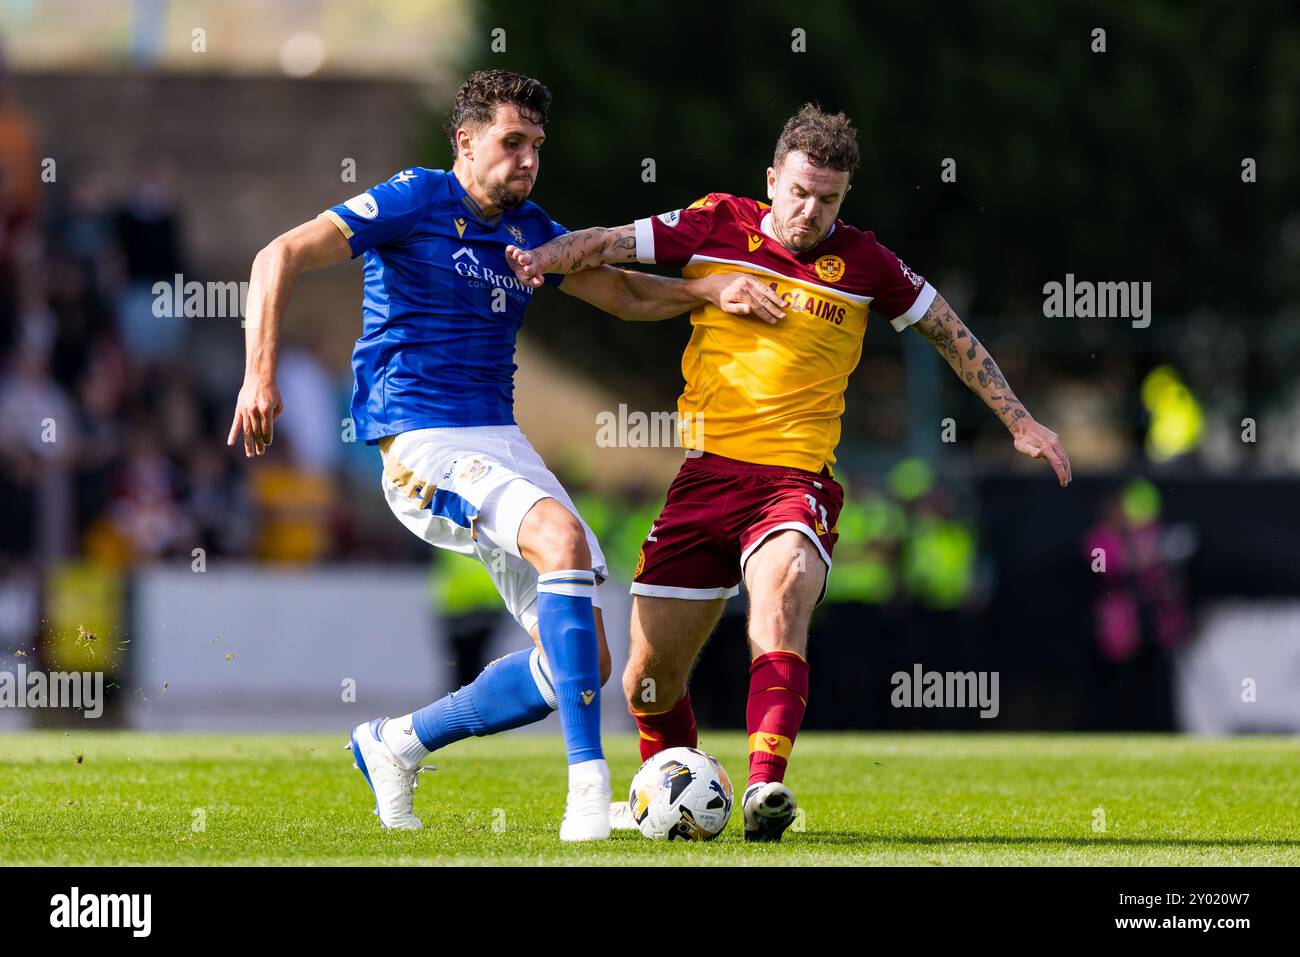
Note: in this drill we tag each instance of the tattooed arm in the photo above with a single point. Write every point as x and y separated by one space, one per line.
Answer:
975 367
583 256
574 252
645 297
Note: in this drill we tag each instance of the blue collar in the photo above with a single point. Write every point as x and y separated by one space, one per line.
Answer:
467 201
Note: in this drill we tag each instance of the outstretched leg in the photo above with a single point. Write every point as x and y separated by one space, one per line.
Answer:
500 503
510 692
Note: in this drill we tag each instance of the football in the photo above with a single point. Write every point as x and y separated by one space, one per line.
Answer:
681 793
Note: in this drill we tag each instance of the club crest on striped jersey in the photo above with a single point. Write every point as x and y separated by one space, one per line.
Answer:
829 268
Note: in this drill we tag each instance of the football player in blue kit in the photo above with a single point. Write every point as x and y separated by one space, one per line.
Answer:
434 390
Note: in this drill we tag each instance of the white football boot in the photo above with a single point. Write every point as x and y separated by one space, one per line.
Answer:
586 814
769 809
393 785
620 817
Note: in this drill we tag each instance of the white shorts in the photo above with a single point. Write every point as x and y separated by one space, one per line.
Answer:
468 490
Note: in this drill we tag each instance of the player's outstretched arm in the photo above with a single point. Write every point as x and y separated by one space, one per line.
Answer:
644 297
573 252
974 366
275 270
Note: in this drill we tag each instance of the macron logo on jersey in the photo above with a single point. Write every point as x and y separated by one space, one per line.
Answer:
405 176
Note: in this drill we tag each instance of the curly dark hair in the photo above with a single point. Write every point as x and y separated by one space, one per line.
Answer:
827 139
478 96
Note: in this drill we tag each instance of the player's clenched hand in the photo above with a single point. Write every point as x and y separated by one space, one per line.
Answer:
743 296
255 411
1039 442
527 265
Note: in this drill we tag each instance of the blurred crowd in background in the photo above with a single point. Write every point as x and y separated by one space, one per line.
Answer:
113 423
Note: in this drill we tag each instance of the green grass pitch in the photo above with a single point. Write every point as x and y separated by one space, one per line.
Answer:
916 799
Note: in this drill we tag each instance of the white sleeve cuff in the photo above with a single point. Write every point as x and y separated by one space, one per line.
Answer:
645 241
922 303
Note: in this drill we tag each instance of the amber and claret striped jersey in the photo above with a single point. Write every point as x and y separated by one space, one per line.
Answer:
774 394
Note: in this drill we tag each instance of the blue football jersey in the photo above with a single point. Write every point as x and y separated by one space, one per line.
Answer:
441 306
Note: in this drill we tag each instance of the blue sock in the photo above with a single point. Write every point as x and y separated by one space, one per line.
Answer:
510 692
567 628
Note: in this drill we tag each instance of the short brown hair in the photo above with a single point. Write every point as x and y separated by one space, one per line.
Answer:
827 139
478 96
